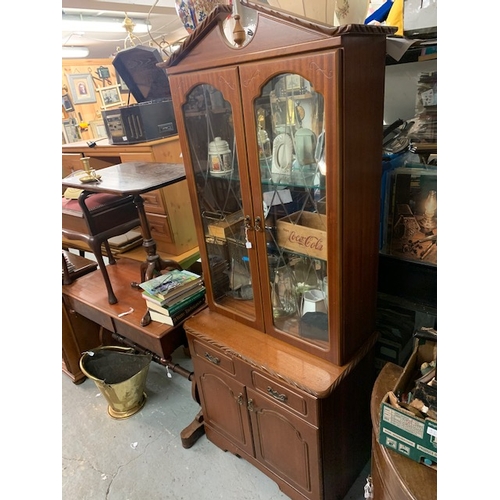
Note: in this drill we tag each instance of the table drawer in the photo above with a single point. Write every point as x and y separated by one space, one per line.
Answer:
302 404
213 356
153 202
91 313
160 228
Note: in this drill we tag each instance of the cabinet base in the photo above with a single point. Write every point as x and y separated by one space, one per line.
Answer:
193 431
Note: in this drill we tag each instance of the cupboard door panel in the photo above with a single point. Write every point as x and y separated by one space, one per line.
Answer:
223 402
285 444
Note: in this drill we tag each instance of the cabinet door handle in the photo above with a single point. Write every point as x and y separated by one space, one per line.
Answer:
257 224
277 395
250 405
212 359
239 399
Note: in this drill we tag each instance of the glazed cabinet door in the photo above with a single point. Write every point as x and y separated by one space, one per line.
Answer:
286 445
292 108
214 152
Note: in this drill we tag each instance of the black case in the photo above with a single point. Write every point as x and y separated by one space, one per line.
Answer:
153 115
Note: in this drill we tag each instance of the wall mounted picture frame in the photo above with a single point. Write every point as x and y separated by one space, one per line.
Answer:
81 87
66 102
70 131
98 129
110 96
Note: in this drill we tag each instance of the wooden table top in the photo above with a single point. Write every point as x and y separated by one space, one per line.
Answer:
131 178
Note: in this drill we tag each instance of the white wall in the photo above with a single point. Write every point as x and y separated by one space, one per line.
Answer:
401 89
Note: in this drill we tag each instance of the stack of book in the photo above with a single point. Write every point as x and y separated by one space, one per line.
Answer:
173 296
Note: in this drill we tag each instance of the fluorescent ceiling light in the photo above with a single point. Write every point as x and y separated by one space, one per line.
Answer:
100 24
74 52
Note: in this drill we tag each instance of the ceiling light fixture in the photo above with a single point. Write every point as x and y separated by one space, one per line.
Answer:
74 52
100 24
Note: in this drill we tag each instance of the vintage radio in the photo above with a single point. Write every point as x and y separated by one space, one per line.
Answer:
152 117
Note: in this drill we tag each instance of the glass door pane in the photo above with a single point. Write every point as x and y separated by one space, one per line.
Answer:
290 133
209 125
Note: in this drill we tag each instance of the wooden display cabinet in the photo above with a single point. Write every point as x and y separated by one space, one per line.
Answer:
281 139
168 210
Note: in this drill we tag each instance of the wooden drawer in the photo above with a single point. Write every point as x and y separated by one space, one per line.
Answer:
153 202
213 356
301 404
90 312
160 228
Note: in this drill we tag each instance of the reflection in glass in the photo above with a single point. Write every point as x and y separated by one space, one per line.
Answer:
209 125
289 121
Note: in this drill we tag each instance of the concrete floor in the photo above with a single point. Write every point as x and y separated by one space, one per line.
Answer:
142 457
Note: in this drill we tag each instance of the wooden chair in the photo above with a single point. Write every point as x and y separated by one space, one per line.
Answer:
96 217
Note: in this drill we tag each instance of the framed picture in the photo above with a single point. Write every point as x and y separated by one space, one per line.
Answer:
410 216
98 129
82 88
67 104
110 96
70 131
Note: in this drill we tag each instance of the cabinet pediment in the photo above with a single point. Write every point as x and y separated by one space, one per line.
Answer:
207 47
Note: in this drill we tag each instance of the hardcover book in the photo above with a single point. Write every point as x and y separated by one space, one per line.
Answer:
171 284
177 306
171 301
179 316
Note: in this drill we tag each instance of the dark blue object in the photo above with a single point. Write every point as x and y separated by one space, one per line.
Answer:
381 13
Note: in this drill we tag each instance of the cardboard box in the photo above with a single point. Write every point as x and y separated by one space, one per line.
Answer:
303 232
401 430
228 227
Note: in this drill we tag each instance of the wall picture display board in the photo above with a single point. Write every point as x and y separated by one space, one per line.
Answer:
110 96
82 88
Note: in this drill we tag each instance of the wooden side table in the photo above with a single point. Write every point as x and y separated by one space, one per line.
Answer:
394 476
135 179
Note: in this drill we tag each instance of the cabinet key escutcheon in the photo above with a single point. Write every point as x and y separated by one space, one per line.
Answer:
257 224
212 359
276 394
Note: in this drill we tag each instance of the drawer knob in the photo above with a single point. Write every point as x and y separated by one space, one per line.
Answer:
276 394
212 359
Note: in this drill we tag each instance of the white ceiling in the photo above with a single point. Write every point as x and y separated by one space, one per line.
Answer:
165 24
